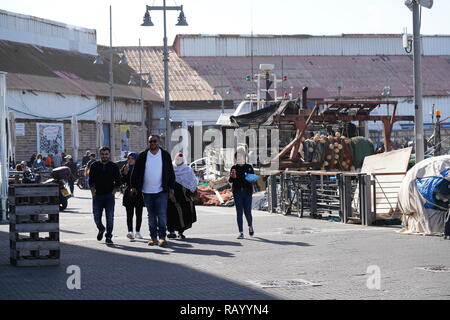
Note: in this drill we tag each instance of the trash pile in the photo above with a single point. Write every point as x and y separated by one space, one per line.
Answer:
219 193
214 193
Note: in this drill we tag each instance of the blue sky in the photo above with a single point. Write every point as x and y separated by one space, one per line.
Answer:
316 17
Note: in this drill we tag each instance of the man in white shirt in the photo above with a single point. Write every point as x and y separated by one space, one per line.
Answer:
153 177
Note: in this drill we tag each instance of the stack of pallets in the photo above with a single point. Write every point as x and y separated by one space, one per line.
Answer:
34 224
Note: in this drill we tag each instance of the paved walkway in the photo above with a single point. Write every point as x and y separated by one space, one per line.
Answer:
212 264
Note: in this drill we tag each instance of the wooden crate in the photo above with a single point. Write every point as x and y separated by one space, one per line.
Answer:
34 210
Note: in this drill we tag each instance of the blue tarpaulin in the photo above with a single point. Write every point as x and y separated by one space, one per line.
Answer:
434 190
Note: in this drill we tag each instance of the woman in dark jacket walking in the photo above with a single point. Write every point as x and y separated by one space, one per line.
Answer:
242 191
132 202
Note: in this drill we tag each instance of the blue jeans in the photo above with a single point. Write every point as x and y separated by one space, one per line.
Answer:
107 202
156 204
243 203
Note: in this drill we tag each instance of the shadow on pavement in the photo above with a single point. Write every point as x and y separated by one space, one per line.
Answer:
173 248
108 274
282 243
72 232
211 242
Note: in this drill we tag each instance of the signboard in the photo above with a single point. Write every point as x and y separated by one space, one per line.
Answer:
50 138
20 129
125 137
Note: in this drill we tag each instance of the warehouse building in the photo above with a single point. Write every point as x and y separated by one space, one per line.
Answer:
51 77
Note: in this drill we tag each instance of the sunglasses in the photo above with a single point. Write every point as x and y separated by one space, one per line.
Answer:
153 141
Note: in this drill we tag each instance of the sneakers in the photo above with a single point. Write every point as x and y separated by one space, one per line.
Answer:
162 242
251 231
109 241
171 235
130 235
181 236
153 242
138 235
100 235
241 235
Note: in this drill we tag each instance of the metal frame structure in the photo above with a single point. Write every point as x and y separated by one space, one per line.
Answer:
335 111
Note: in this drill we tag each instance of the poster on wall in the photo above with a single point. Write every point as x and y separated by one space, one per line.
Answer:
50 138
125 139
20 129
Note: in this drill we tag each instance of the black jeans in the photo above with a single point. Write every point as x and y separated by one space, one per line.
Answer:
130 215
106 202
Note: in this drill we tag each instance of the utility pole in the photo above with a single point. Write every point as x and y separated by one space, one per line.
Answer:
111 82
437 134
144 133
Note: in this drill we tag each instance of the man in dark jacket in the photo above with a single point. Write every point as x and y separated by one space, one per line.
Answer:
73 172
104 180
154 177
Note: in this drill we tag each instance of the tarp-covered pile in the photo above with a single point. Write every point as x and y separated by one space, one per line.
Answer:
424 196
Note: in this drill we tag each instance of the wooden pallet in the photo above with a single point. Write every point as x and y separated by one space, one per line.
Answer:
33 211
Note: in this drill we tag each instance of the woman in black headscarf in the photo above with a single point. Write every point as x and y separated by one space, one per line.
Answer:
132 203
181 212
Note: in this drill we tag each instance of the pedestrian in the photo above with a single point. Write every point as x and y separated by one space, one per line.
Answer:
33 157
153 175
73 170
92 159
242 191
132 203
38 163
181 212
104 179
49 161
85 159
447 225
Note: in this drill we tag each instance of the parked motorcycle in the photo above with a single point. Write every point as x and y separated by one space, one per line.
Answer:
60 176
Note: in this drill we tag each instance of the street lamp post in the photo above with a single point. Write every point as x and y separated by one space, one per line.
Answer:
110 52
148 23
414 5
214 92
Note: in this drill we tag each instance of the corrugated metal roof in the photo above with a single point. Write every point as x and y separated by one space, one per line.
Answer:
362 76
185 83
76 87
37 68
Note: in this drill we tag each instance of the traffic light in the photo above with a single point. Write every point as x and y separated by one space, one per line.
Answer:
438 113
284 78
248 78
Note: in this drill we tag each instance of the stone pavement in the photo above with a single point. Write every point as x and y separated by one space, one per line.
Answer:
212 264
